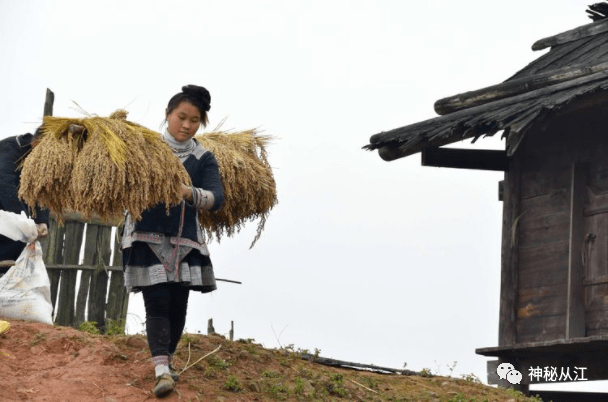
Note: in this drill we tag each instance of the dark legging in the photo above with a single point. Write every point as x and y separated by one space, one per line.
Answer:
166 305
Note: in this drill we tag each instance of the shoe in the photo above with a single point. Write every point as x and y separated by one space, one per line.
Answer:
163 385
174 374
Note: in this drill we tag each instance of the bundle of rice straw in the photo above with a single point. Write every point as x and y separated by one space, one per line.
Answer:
249 186
111 166
114 165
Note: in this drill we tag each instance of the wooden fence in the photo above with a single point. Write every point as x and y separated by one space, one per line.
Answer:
93 300
90 299
62 250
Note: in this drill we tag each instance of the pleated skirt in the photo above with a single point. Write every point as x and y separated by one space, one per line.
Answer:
143 268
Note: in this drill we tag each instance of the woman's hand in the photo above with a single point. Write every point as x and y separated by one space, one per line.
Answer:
186 193
43 230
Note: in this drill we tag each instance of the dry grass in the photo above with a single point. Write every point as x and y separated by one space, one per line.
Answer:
249 185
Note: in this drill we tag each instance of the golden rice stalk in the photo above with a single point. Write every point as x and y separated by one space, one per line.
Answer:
247 179
47 171
113 166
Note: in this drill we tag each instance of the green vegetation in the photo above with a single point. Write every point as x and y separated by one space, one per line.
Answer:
232 384
279 391
243 370
336 385
90 327
299 389
270 374
115 327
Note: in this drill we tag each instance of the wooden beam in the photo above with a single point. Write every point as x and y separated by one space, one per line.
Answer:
113 268
575 313
84 267
94 219
509 276
481 159
593 344
584 31
514 87
344 364
569 396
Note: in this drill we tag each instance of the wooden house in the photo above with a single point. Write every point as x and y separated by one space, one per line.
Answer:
554 276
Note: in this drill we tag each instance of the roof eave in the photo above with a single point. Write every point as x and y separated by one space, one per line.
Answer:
486 119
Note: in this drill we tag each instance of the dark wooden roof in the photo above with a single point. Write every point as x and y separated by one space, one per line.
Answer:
575 68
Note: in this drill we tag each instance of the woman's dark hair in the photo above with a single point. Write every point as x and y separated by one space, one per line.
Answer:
197 96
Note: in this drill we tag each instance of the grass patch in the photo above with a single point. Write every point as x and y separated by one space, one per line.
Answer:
233 384
89 327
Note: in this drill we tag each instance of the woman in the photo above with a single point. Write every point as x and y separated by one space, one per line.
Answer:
12 152
164 255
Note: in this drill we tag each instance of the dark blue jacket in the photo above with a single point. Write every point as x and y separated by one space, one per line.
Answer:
204 172
12 151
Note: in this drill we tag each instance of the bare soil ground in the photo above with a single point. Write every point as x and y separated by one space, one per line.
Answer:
51 363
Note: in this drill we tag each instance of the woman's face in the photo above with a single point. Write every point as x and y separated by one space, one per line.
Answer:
184 121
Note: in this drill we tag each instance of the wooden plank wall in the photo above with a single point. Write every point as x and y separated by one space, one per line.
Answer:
561 235
595 241
543 234
507 329
62 253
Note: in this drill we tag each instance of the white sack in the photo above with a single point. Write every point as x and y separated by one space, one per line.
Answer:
18 227
25 290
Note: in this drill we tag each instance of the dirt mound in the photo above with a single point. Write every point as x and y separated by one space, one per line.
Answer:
51 363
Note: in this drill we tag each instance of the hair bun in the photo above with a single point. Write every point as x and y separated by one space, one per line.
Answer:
199 93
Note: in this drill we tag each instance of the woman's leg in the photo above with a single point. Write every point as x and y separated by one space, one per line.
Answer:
157 300
179 307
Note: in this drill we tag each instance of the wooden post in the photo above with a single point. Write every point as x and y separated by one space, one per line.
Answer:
90 258
507 328
99 279
52 246
575 313
54 255
48 103
210 329
67 292
231 330
125 304
117 293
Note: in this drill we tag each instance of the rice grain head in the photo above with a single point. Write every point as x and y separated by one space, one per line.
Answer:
247 179
110 167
